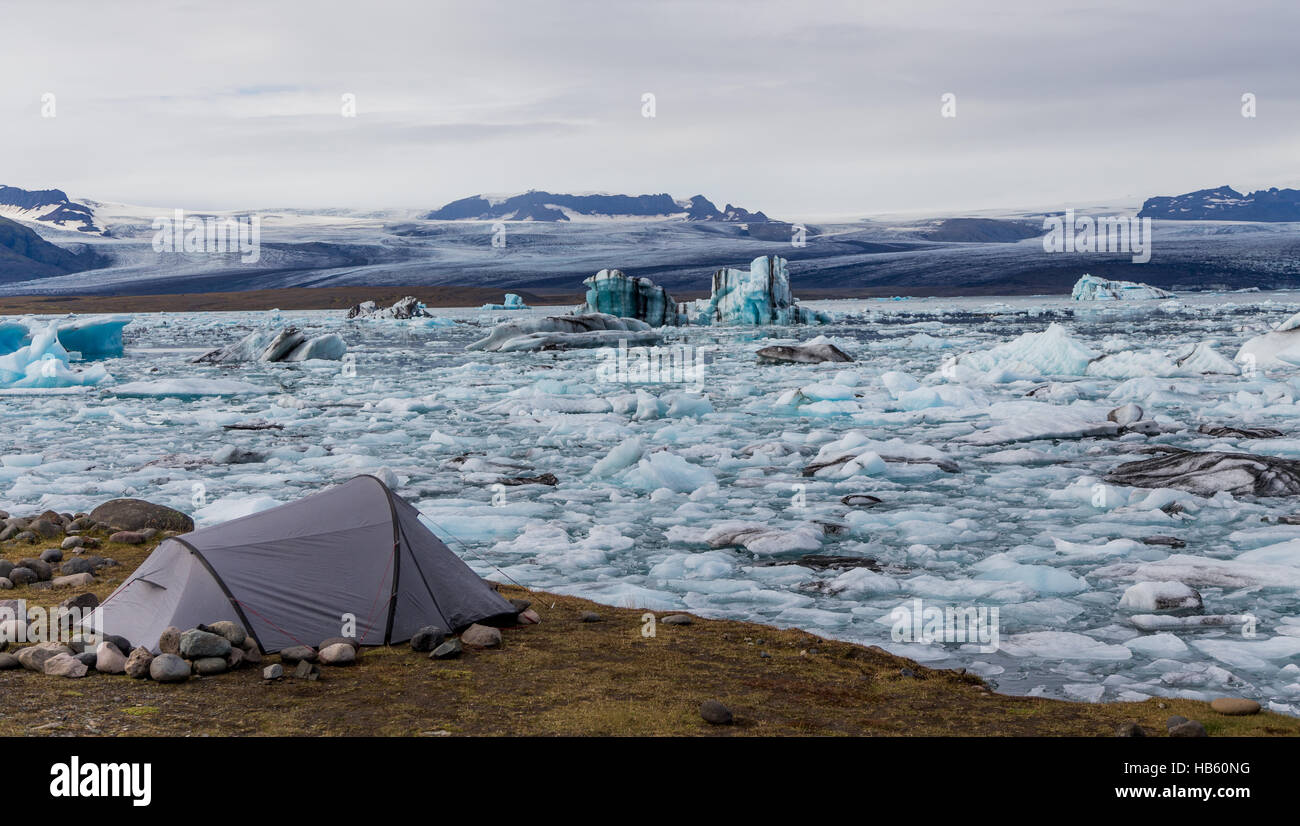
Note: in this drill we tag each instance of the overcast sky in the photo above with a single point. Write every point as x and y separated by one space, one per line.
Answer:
801 109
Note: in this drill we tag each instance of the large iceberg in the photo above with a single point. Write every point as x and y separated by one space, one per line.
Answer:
1279 348
289 344
1092 288
91 337
759 295
407 307
563 332
612 292
43 362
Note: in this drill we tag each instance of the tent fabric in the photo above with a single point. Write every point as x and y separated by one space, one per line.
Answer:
294 574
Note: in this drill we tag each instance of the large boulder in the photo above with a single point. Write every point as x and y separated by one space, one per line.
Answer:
481 636
169 668
137 514
137 665
34 657
109 660
337 654
196 644
65 665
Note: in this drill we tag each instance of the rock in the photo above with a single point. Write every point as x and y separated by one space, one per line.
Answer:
1129 730
137 514
338 654
169 641
1125 414
306 671
148 533
1191 728
352 641
252 655
42 570
1234 706
169 668
529 617
138 663
1207 473
109 659
520 605
481 636
677 619
25 536
860 500
8 662
196 644
589 616
235 658
86 658
72 542
45 529
715 713
815 351
6 584
1166 541
232 631
122 643
51 555
77 565
427 638
65 665
208 666
73 581
297 653
449 650
274 671
33 657
6 567
1175 720
85 603
127 538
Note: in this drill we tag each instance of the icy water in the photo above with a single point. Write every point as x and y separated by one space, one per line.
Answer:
990 498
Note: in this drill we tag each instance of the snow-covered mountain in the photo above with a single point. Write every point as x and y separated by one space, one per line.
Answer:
1226 204
47 206
536 205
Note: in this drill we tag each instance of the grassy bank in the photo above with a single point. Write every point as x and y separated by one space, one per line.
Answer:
569 677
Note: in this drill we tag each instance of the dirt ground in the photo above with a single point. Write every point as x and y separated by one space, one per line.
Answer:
294 298
568 677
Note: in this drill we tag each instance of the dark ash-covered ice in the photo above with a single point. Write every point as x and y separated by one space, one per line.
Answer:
1207 473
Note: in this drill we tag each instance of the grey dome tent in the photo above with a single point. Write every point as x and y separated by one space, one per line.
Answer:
291 575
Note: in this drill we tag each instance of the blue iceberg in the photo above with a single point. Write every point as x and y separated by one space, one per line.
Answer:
513 302
758 296
92 337
613 293
43 362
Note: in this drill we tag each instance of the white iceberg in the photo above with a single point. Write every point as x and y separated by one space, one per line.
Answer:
1279 348
1092 288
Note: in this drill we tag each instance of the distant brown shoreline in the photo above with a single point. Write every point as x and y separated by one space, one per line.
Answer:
341 298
